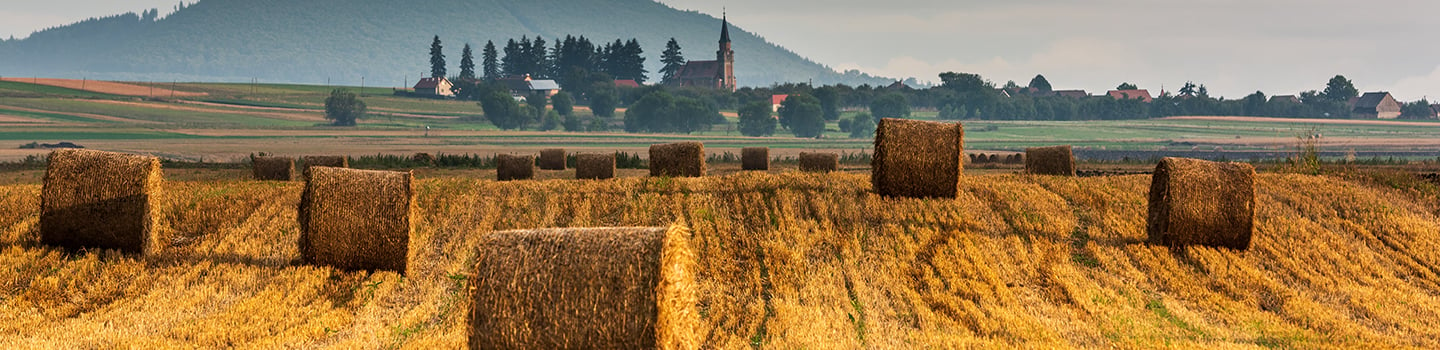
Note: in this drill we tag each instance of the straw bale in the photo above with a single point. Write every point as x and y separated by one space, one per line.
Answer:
273 168
684 159
973 159
424 158
512 167
819 162
595 166
918 158
552 159
1198 202
326 161
994 158
585 288
95 199
1053 160
755 158
357 219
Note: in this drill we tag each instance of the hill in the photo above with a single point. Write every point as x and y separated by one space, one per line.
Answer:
339 40
785 261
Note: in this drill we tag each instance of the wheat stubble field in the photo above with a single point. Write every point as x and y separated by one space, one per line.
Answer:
785 260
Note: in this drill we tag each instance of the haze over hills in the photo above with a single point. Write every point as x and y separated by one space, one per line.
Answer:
385 41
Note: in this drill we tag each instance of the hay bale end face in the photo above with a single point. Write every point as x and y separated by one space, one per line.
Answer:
684 159
357 219
600 288
273 168
1053 160
325 161
755 158
594 166
552 159
1198 202
511 167
819 162
95 199
918 158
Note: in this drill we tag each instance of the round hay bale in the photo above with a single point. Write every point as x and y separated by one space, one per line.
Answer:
972 158
994 158
273 168
325 161
755 158
424 158
1053 160
918 158
593 288
552 159
1198 202
819 162
96 199
684 159
511 167
595 166
983 158
357 219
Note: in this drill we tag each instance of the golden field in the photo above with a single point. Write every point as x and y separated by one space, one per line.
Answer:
786 260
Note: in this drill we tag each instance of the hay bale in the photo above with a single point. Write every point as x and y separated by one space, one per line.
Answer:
918 158
1198 202
994 158
595 166
684 159
357 219
325 161
1053 160
552 159
819 162
973 159
273 168
755 158
423 158
511 167
590 288
95 199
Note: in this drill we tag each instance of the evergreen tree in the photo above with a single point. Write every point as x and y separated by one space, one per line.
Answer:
634 61
510 64
467 63
539 69
756 120
1040 83
437 59
673 60
490 61
1127 86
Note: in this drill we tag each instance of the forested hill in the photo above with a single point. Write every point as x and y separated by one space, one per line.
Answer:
312 41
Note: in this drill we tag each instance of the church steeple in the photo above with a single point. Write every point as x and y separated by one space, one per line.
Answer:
725 76
724 29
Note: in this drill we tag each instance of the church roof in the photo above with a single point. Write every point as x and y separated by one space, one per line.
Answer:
699 70
724 29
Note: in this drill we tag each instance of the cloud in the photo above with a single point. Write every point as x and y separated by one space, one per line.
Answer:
1416 87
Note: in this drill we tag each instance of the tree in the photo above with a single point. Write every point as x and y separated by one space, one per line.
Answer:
1417 110
649 113
503 111
490 61
803 115
829 97
1254 104
891 105
536 101
344 108
550 121
1039 83
1188 89
673 60
1340 89
1011 85
692 115
437 59
755 120
603 99
563 103
467 63
1127 86
862 126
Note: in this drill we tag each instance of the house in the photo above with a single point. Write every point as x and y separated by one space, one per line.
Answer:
899 85
1434 111
776 101
1376 105
626 83
1071 93
1285 99
434 87
523 85
718 74
1140 94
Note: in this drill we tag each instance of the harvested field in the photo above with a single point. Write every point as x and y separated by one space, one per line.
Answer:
105 87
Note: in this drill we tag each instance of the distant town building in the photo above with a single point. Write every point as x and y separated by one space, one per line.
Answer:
1072 93
434 87
626 83
899 85
776 101
1285 99
1140 94
1435 111
523 85
1376 105
718 74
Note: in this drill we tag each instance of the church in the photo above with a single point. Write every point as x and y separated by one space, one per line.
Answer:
718 74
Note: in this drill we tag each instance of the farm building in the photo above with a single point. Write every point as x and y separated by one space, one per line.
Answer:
434 87
776 100
1376 105
1285 99
1140 94
523 85
1072 93
626 83
718 74
899 86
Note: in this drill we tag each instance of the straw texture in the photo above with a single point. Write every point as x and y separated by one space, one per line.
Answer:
325 161
95 199
1053 160
819 162
1198 202
594 166
918 158
685 159
273 168
511 167
357 219
552 159
755 158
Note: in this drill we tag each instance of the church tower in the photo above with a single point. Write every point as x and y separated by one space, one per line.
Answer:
725 76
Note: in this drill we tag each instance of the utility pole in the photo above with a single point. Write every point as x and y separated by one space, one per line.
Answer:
362 86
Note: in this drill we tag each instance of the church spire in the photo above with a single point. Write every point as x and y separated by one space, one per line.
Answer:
724 28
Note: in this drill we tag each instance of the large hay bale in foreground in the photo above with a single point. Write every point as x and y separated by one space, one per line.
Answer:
511 167
95 199
1053 160
819 162
552 159
325 161
595 166
357 219
684 159
273 168
1198 202
595 288
918 158
755 158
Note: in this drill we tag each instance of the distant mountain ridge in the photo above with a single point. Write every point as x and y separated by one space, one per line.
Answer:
313 41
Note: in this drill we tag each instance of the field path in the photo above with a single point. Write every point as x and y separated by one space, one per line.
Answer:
105 87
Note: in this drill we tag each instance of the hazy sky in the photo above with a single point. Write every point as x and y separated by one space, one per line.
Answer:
1234 47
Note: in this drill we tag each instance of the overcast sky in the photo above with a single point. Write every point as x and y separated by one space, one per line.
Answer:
1234 47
